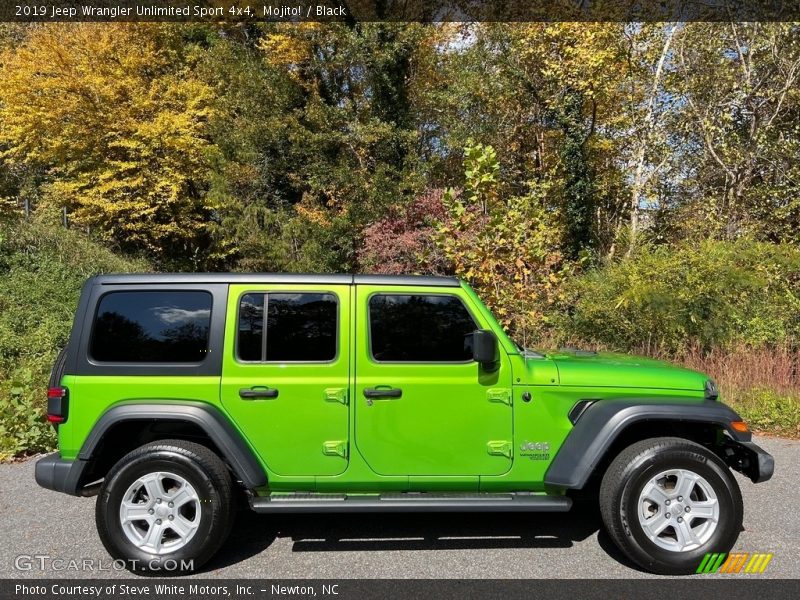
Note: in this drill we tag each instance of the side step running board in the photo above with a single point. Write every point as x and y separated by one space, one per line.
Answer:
409 502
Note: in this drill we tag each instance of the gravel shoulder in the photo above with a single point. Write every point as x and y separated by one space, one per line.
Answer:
40 523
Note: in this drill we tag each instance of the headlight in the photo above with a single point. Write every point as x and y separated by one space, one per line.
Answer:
712 391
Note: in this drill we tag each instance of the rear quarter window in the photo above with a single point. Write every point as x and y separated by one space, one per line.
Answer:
152 327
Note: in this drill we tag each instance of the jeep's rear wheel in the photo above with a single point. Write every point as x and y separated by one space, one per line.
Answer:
165 507
160 512
666 502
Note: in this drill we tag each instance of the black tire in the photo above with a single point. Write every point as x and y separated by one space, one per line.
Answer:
206 473
624 481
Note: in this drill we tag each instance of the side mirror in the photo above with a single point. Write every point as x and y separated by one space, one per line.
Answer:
484 349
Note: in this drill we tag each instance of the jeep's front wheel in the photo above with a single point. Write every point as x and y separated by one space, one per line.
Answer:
666 502
165 507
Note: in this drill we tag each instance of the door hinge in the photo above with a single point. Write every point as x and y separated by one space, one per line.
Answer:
499 395
335 448
336 395
500 448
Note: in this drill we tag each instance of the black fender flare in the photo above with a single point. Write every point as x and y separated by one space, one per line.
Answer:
210 419
599 425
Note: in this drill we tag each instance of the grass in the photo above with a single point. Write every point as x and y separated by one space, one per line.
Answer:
762 384
768 412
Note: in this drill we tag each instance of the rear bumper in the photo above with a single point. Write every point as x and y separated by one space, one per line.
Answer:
54 473
749 459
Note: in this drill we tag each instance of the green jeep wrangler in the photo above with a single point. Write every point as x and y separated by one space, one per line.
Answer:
371 393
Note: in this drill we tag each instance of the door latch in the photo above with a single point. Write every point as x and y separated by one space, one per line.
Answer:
336 395
500 448
335 448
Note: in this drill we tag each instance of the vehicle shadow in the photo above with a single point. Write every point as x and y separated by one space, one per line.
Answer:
254 533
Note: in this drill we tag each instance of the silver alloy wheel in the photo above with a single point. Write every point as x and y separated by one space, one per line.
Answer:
678 510
160 512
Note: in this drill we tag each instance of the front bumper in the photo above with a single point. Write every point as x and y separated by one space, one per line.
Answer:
749 459
55 473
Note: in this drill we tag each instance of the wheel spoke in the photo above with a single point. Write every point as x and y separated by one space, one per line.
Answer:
181 496
706 509
654 525
135 512
655 493
182 526
685 484
152 539
685 535
152 485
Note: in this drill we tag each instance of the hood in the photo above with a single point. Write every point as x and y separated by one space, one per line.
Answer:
608 369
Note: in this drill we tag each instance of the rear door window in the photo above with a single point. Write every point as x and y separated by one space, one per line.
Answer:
152 327
300 327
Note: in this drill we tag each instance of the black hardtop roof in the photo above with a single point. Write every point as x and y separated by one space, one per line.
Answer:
290 278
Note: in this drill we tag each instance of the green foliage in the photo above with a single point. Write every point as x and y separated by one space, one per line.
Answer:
767 410
42 269
275 146
317 140
578 193
715 294
505 248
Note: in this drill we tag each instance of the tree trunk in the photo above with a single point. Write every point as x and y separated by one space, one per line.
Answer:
639 178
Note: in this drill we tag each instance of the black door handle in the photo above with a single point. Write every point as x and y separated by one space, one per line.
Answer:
254 393
383 393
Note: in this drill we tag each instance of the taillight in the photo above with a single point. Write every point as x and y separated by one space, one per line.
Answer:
57 404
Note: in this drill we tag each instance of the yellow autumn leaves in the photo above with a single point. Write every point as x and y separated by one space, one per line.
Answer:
107 113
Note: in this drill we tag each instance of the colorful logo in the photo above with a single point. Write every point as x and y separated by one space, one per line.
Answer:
735 562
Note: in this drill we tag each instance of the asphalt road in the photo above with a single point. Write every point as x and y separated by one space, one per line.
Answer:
34 521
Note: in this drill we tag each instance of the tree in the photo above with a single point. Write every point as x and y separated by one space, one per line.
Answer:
350 135
254 180
404 241
651 105
548 97
740 85
114 121
505 246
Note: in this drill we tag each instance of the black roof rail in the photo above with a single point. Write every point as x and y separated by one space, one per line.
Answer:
289 278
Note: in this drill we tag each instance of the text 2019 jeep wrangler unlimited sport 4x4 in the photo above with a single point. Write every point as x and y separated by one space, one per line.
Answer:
336 393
